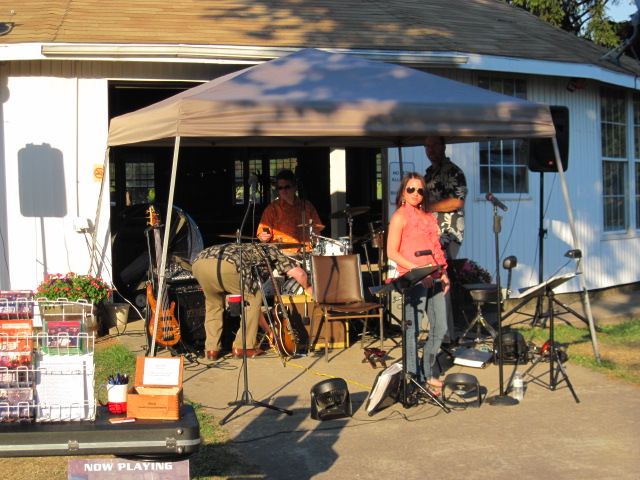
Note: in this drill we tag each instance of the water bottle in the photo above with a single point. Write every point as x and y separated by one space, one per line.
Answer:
518 387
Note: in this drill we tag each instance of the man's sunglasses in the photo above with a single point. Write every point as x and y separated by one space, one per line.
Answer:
283 187
410 190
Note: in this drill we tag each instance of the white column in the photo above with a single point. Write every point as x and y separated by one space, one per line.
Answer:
338 189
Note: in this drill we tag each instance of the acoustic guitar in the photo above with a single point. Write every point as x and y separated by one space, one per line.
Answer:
168 333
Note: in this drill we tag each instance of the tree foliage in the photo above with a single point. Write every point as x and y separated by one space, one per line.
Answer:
584 18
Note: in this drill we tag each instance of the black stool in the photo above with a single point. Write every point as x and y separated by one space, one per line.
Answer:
480 294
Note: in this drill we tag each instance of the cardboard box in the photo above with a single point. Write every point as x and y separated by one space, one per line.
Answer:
157 391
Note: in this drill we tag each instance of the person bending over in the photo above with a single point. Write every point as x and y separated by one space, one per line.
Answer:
218 269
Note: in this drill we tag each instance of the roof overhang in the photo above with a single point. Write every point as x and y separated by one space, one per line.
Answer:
223 54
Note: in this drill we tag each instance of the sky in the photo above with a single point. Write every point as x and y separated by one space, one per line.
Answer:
622 11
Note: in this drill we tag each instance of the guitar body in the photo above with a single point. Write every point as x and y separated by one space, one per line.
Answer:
168 326
287 338
168 333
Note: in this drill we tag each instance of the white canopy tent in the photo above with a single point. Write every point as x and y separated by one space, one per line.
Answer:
318 98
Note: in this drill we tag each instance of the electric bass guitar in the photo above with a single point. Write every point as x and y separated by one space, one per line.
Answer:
168 333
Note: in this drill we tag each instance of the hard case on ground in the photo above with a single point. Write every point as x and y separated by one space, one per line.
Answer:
146 438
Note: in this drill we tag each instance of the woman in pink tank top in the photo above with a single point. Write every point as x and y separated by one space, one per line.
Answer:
413 229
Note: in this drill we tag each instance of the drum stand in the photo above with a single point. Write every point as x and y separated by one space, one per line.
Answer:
402 285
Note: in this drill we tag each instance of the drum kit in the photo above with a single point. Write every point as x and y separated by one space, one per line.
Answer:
315 244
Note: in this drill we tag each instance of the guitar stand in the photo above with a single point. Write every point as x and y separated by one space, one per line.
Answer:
402 285
552 355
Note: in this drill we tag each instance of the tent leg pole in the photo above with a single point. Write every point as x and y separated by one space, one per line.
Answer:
585 293
165 242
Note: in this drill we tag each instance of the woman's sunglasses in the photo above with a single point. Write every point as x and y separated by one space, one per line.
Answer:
283 187
410 190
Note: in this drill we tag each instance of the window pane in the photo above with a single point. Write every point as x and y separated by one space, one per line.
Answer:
613 112
637 194
140 183
238 182
614 195
502 164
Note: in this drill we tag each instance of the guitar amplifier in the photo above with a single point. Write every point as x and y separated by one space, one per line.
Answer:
190 308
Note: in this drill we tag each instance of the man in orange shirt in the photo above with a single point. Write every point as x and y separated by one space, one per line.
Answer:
281 220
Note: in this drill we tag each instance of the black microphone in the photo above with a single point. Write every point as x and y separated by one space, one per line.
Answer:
422 253
495 202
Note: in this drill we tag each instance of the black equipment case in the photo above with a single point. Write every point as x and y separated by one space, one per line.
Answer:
145 438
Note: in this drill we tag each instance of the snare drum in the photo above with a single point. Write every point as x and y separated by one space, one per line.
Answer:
329 246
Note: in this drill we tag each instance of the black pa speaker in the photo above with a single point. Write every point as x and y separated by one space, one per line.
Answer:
330 399
541 156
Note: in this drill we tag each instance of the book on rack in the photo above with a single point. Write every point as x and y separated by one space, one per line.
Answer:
16 403
469 357
64 387
16 304
64 336
14 360
15 335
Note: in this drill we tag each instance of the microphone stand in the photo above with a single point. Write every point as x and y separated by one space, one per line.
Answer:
246 398
501 400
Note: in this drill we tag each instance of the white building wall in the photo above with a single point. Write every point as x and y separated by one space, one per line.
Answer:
64 105
608 259
51 122
56 114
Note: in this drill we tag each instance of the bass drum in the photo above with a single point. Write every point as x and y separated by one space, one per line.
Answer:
292 287
330 247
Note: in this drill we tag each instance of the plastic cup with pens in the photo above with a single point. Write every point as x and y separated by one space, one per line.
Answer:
116 391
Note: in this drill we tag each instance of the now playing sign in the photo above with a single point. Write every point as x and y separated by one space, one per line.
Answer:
116 468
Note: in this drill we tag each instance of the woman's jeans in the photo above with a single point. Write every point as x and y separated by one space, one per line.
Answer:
418 301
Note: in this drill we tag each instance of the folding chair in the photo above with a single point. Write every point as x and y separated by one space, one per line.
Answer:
337 290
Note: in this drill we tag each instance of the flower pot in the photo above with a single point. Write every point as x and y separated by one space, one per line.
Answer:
117 314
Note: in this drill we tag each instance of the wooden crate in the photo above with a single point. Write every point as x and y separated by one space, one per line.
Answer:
157 392
335 332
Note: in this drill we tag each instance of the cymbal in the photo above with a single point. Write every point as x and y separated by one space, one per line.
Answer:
314 225
350 212
286 245
233 235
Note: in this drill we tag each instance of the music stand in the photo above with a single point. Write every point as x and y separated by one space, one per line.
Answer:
548 292
402 285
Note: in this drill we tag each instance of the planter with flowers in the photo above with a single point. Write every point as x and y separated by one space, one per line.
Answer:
72 297
472 272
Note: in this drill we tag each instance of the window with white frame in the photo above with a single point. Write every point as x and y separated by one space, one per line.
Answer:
503 167
615 161
636 153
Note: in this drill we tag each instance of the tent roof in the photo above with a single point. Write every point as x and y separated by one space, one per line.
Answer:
316 98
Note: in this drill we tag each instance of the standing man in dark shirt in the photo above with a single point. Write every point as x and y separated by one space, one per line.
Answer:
447 187
218 270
